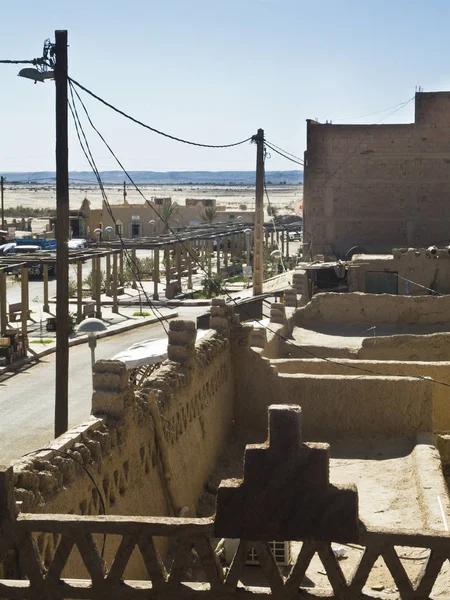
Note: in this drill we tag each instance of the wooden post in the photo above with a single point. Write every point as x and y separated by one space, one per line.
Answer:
155 273
108 275
115 306
93 278
271 238
98 288
62 237
2 180
134 268
282 243
25 302
178 262
3 312
167 259
225 253
210 248
121 277
46 307
218 240
287 243
79 291
189 264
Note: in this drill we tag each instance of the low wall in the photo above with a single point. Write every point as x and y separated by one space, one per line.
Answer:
437 371
374 309
148 450
334 406
435 346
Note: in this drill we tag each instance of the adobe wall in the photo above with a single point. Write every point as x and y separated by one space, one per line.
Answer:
414 264
334 406
149 450
438 371
379 186
373 309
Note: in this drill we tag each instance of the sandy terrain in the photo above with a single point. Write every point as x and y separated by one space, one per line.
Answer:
283 196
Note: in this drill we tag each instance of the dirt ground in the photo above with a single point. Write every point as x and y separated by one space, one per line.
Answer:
383 470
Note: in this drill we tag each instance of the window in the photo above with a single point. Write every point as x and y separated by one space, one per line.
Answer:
119 229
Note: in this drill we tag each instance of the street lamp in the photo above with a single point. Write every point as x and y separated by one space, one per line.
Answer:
152 224
108 230
55 58
92 326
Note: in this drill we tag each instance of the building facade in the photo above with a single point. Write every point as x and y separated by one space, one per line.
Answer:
379 186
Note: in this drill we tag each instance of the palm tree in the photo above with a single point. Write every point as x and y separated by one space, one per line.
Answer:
167 213
209 214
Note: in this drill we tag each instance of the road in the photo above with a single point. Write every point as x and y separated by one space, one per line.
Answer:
27 397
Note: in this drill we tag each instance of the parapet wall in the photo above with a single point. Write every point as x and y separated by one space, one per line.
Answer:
374 309
437 371
334 406
149 450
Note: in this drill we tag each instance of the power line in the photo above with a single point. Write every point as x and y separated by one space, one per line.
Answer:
285 339
89 157
167 135
375 112
297 162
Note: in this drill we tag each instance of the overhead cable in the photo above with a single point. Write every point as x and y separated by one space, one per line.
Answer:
167 135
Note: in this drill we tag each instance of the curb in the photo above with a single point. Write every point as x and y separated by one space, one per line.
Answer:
83 339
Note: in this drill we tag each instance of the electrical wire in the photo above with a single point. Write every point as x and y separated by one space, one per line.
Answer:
297 162
130 259
88 473
375 112
285 339
167 135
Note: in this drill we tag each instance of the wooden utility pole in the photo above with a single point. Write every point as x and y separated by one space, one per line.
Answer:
2 180
259 215
124 192
62 237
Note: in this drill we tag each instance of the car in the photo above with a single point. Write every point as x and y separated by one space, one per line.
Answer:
77 244
295 235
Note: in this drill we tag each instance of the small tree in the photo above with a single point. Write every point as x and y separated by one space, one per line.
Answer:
168 212
209 214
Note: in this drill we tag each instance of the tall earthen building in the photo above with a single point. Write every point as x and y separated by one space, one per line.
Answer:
379 186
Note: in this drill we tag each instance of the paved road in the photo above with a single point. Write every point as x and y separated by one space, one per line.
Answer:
27 398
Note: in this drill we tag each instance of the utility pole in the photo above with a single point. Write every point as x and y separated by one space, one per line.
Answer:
124 192
259 215
62 237
2 179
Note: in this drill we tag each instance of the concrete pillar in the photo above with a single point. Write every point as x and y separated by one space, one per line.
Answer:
121 277
98 288
25 302
266 238
108 275
189 264
278 238
178 262
115 284
46 307
271 238
134 268
155 273
225 252
79 291
3 312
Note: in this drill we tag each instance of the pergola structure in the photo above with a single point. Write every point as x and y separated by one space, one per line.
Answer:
194 246
10 264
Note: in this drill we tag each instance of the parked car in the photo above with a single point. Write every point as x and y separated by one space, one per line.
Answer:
77 244
295 235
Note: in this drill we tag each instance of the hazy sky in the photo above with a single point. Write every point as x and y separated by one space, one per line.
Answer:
214 72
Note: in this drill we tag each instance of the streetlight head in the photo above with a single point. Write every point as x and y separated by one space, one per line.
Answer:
91 326
247 231
35 75
107 229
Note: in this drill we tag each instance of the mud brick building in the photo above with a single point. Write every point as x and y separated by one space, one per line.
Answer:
379 186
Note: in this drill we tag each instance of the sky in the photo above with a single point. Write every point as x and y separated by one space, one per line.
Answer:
214 72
